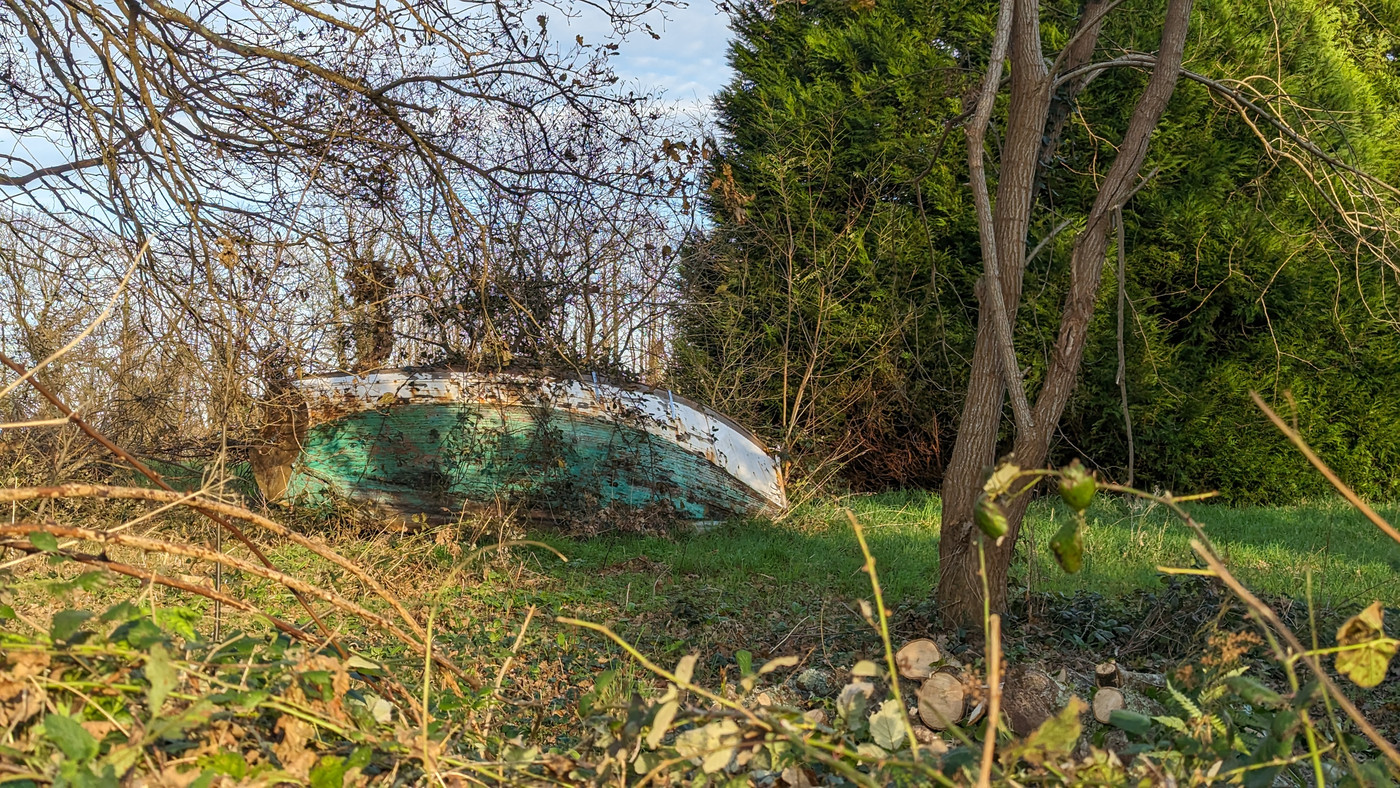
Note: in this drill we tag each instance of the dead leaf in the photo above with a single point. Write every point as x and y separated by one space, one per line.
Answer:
1369 651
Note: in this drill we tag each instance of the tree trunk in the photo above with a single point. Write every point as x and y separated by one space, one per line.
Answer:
960 583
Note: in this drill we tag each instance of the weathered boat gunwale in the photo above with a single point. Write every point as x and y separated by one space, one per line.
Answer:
712 439
601 380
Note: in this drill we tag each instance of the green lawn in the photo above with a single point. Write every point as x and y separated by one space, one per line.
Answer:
813 549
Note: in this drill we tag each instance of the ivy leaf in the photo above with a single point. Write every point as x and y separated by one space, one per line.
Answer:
1369 658
887 725
70 737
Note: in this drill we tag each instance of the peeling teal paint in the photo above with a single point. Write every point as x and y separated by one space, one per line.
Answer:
440 457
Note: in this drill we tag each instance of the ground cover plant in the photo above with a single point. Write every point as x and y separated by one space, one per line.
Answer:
751 653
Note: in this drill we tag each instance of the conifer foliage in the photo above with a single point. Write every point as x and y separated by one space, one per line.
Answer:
833 301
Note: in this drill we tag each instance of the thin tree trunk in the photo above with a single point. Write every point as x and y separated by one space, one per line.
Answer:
1122 349
959 586
960 583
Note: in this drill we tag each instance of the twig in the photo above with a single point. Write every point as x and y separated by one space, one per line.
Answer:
1122 352
662 672
505 666
160 482
884 632
293 583
106 312
209 506
976 132
1267 616
1352 497
9 495
989 739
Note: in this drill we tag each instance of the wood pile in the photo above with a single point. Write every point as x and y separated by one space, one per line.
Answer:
950 695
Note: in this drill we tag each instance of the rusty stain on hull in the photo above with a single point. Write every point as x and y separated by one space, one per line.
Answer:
439 441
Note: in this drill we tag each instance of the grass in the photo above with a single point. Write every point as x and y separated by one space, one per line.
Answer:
790 587
814 551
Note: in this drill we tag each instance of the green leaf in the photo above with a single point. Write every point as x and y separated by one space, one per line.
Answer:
745 661
1130 721
360 758
1369 651
7 613
887 725
43 540
1077 486
1254 693
229 762
87 581
990 518
70 737
162 676
66 623
1068 545
139 634
122 612
180 620
329 772
1057 736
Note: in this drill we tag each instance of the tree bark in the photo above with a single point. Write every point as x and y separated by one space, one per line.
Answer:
959 586
960 583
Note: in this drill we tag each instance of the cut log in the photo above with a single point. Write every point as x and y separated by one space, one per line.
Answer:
1107 675
915 660
942 701
1028 698
1106 700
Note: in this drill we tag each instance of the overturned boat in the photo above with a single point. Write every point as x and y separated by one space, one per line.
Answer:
434 444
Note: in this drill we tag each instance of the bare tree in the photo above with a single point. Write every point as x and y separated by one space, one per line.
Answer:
432 180
1042 91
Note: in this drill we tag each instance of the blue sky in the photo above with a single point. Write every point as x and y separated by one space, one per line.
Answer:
688 61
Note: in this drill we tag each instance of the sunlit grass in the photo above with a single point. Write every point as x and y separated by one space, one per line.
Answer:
814 551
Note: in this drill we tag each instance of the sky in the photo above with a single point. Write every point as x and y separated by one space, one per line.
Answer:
688 61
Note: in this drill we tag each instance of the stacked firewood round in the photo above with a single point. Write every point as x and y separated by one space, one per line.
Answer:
1109 696
942 695
947 695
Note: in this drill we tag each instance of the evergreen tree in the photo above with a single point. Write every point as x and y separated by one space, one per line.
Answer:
832 300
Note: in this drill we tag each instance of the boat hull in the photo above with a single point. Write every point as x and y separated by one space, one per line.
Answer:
432 445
